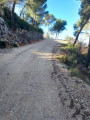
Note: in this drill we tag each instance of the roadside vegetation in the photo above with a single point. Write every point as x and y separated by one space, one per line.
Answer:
75 54
75 59
18 22
29 15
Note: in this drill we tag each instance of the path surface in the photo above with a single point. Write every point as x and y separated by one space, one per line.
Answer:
27 90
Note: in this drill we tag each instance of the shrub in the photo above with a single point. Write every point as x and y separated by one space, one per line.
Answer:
63 58
15 45
75 73
75 60
71 48
3 44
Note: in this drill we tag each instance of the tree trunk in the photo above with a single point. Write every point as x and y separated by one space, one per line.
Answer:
22 10
33 22
48 28
24 7
88 55
12 12
80 31
56 36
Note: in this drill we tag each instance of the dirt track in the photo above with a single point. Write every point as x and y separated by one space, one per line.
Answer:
35 86
27 91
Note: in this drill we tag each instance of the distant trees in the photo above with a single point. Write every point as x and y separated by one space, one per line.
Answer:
59 26
2 1
48 20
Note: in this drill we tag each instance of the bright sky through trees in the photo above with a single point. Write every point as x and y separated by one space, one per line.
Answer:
65 10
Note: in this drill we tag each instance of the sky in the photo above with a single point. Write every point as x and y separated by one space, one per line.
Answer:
65 10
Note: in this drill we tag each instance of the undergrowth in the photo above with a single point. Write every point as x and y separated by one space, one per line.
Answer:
18 22
75 59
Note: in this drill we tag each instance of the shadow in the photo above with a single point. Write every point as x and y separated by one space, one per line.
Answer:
48 55
44 55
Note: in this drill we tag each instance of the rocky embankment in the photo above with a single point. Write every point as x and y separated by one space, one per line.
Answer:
73 92
19 37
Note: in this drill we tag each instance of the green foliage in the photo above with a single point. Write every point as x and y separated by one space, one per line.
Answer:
18 22
85 9
15 45
36 9
75 73
75 60
84 13
63 45
63 58
68 59
59 26
48 19
72 55
72 48
3 1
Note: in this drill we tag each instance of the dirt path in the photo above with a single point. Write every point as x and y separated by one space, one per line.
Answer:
35 86
27 90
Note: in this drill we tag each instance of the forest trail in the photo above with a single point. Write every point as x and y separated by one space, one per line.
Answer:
27 90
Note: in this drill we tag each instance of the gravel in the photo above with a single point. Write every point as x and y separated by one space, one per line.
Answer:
73 92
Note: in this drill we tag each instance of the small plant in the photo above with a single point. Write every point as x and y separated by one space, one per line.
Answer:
75 62
75 72
63 58
15 45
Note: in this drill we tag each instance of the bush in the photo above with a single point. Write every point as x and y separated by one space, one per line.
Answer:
15 45
3 44
75 60
71 48
63 58
75 72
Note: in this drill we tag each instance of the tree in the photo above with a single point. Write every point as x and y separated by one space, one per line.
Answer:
88 55
14 2
59 26
87 32
3 1
13 7
85 16
35 9
12 12
48 19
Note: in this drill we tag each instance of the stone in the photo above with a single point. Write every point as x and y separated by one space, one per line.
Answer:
20 37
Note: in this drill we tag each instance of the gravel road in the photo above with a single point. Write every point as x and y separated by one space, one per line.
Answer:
27 90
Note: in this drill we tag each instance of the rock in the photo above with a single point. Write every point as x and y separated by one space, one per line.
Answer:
20 37
73 89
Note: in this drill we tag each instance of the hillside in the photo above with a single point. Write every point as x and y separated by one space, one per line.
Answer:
21 34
